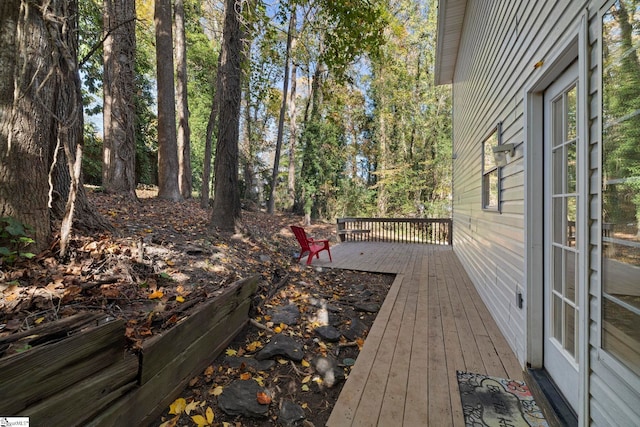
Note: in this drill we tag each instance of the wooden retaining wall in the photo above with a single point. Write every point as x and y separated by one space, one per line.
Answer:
89 378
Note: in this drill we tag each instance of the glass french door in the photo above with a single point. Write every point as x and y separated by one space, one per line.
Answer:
562 196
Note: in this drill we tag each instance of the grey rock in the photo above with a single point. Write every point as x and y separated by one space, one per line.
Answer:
281 345
264 258
328 333
367 307
240 398
288 314
291 414
356 329
258 365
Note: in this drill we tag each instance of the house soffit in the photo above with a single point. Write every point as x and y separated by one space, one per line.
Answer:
450 21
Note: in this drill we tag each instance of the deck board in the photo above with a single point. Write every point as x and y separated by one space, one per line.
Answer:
431 324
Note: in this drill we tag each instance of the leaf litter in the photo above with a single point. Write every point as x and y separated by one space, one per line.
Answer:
163 262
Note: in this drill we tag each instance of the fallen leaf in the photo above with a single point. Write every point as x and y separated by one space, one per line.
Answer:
305 387
209 371
156 295
231 352
171 423
177 407
180 298
200 420
282 361
190 407
39 320
145 331
263 398
253 346
245 376
306 379
109 292
305 363
217 391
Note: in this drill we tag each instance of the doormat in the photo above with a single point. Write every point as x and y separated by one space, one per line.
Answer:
491 401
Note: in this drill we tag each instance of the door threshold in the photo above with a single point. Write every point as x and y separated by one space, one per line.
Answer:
553 404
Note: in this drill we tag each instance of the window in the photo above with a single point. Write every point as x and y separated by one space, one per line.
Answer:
490 172
620 328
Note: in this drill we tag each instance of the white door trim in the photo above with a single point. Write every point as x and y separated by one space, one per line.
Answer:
574 46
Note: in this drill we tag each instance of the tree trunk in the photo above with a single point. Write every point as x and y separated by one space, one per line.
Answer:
248 152
271 202
211 126
382 168
293 135
226 201
168 187
25 121
39 123
184 132
119 146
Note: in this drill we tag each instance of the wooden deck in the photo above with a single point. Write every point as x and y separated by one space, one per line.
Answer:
431 324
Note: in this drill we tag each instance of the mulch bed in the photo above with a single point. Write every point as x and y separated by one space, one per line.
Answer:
163 261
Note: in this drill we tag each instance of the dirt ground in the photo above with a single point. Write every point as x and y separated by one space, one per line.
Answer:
163 261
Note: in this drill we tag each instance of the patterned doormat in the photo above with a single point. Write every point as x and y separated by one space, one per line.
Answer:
491 401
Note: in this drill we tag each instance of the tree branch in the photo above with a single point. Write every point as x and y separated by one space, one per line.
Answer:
101 42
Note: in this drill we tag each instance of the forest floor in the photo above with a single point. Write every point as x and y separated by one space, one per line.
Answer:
162 261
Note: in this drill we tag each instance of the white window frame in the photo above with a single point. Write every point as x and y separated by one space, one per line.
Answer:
486 172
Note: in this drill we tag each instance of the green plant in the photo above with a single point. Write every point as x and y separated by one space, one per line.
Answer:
14 239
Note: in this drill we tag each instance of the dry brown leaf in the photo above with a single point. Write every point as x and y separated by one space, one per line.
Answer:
156 295
263 398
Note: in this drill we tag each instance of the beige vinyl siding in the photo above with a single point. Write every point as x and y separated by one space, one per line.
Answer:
500 43
614 397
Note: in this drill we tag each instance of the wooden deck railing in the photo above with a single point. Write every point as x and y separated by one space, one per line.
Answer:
437 231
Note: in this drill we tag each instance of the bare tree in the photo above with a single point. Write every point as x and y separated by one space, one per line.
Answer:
41 124
119 146
271 202
226 201
168 187
184 132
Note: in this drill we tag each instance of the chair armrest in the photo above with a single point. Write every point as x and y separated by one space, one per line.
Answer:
323 242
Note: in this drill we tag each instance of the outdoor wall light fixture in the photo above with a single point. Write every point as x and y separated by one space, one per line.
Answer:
500 153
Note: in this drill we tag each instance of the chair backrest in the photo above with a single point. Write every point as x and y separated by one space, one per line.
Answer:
301 236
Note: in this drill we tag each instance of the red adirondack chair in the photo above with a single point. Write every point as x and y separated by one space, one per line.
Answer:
307 244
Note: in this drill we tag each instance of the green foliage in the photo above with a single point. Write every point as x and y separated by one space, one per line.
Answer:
322 165
90 53
14 239
410 121
92 156
355 27
202 65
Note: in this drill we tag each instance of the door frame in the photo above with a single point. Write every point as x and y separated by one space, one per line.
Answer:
573 47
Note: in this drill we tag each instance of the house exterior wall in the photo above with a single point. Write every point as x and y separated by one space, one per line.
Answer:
491 75
503 48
